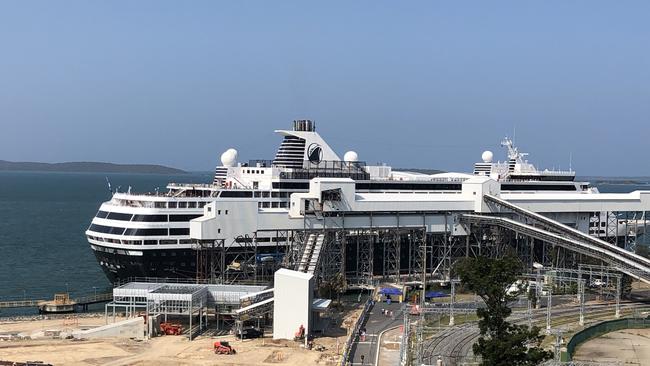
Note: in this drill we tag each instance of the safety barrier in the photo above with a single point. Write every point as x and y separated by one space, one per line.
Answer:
355 332
603 328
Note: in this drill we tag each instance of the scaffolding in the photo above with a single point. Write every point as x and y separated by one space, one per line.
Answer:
158 300
179 300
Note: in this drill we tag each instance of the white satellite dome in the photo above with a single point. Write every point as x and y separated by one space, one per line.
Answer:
351 156
487 156
229 158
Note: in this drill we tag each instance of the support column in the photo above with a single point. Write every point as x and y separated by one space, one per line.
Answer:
391 247
529 311
538 290
581 295
365 264
191 313
618 297
451 306
549 304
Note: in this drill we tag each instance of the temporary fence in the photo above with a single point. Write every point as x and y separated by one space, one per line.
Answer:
355 332
602 328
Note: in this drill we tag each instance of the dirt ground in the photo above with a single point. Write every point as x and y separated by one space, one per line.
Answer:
165 350
630 346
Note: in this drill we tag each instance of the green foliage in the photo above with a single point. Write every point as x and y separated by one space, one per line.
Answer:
501 343
336 285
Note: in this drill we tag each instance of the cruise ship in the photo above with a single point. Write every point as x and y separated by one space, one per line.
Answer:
147 235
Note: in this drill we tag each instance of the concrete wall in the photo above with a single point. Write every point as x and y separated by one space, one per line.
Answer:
129 328
225 219
293 297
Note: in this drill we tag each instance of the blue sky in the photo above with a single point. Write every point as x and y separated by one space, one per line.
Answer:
414 84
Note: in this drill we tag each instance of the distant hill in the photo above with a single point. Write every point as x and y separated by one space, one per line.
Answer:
90 167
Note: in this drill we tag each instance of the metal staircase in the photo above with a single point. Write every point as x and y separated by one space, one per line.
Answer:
306 253
311 253
315 255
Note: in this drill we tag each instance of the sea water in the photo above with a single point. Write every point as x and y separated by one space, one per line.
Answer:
43 217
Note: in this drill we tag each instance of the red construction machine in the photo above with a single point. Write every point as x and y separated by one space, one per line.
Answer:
223 348
171 328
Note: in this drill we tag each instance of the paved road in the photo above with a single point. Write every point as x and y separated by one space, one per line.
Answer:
375 324
389 347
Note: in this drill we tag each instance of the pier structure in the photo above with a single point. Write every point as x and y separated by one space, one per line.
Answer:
337 233
61 303
343 239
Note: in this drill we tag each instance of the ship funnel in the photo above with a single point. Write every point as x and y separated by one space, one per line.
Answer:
304 125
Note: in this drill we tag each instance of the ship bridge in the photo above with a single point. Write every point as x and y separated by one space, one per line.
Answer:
411 236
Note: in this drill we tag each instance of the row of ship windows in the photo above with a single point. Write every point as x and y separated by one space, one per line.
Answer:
144 218
180 241
273 204
169 218
224 194
255 194
266 194
138 232
172 204
140 242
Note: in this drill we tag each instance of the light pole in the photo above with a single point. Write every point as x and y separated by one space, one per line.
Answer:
95 289
24 295
67 289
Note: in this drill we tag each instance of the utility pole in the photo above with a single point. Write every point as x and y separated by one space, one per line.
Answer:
549 304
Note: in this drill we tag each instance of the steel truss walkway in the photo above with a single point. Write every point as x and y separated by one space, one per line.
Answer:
540 227
311 253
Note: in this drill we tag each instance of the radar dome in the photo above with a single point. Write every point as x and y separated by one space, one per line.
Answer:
229 158
487 156
351 156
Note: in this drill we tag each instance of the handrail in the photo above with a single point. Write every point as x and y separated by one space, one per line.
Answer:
355 333
568 242
29 303
559 226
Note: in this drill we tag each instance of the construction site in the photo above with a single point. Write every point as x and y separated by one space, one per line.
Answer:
368 278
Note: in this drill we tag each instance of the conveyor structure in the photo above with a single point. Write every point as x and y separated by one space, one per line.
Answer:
535 225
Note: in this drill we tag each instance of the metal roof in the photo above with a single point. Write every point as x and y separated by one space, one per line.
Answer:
215 294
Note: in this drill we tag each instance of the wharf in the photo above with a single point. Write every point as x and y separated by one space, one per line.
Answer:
59 304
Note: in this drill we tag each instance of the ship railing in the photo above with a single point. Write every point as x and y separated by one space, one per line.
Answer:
429 179
328 168
174 185
509 180
182 280
259 163
560 172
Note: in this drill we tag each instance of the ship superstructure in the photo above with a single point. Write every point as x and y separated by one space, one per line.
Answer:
148 235
517 167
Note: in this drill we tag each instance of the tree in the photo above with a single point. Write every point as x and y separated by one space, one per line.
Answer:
336 284
501 343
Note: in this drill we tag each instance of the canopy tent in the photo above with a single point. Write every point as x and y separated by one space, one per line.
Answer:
432 294
389 291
